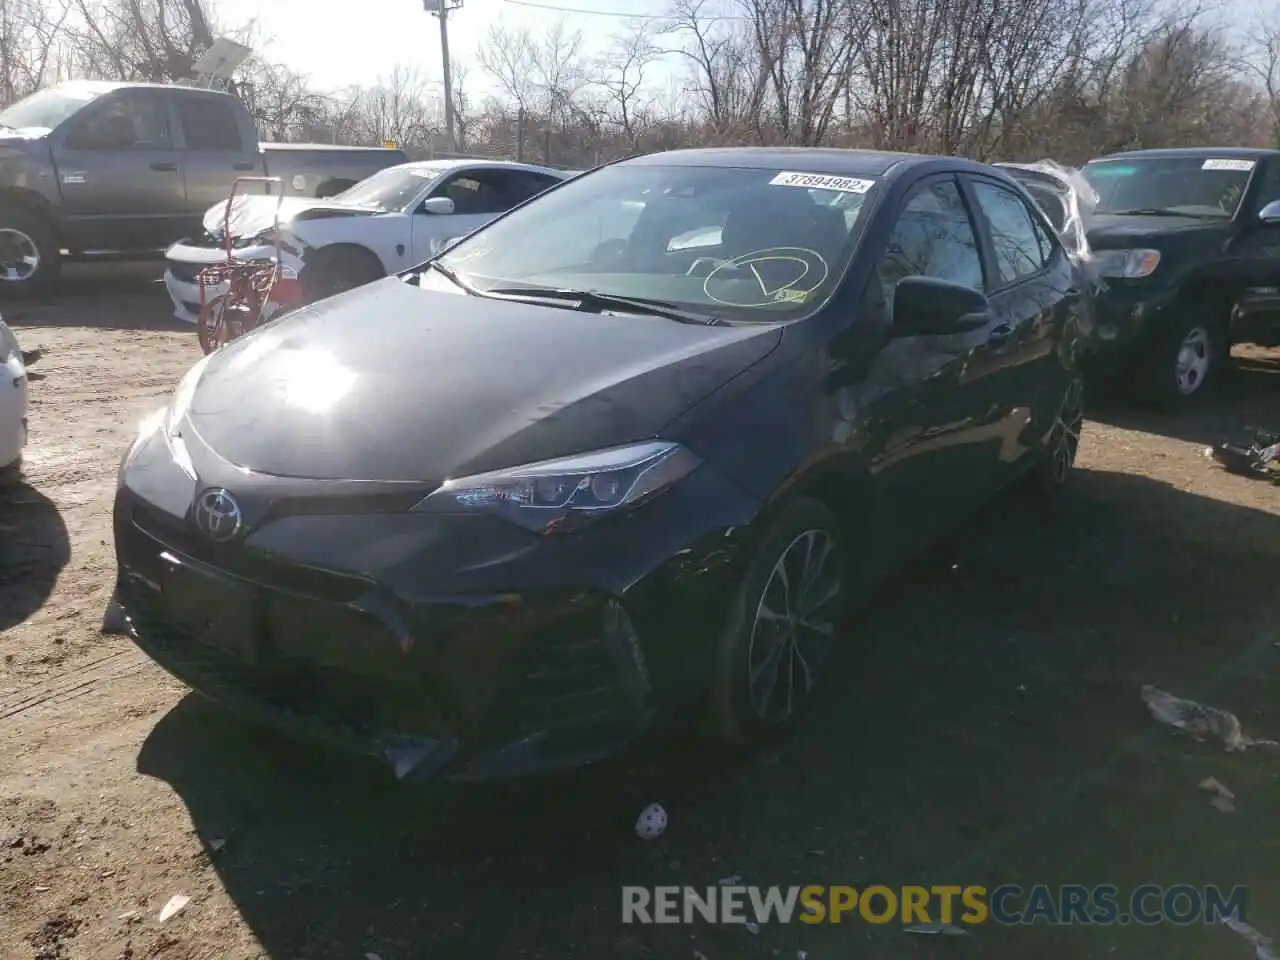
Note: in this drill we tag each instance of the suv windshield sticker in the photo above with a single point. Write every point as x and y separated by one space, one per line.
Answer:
1241 165
1110 170
802 271
821 181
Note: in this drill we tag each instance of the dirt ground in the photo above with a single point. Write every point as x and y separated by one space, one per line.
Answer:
985 726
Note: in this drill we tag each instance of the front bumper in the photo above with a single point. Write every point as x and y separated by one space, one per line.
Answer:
184 262
1129 319
421 640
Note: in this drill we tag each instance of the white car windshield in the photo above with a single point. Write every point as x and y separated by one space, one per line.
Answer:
1178 186
736 243
390 189
46 109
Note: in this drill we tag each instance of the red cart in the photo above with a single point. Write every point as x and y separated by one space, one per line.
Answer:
251 284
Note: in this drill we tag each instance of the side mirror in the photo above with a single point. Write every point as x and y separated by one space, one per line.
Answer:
1270 214
925 306
437 205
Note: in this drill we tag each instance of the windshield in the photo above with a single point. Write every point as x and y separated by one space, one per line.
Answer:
1192 186
734 243
47 108
391 189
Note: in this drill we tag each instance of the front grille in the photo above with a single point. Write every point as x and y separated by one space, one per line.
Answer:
360 708
238 559
184 271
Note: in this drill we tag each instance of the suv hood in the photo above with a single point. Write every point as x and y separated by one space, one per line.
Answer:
253 214
1110 231
391 382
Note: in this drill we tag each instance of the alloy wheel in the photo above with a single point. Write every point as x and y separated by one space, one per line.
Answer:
1066 431
19 256
1194 357
795 624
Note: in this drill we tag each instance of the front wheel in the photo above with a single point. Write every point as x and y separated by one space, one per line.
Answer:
29 256
782 626
1187 363
1053 474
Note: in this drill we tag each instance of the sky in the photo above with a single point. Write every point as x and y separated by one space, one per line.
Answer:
338 44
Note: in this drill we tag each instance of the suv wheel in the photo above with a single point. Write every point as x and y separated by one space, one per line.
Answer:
1187 362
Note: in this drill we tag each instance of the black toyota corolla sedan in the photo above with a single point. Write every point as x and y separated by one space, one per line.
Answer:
632 447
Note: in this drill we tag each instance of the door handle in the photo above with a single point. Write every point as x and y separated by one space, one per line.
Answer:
243 165
164 165
1000 336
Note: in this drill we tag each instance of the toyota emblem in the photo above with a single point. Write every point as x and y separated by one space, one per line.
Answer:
217 515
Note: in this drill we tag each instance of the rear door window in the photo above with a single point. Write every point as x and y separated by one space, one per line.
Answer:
209 124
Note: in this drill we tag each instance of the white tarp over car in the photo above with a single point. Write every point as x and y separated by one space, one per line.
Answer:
1077 197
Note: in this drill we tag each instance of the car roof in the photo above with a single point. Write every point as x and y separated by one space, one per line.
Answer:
818 160
106 86
467 163
1192 153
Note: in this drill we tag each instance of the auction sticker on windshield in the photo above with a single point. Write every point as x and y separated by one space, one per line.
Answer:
1242 165
821 181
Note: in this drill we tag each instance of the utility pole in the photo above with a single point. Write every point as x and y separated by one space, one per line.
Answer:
441 9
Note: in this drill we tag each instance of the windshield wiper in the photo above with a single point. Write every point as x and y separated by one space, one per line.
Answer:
449 274
591 300
1155 212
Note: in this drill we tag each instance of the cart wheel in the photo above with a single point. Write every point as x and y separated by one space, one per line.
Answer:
212 326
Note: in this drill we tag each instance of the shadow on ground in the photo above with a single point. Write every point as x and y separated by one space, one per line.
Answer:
119 296
984 726
1249 396
34 548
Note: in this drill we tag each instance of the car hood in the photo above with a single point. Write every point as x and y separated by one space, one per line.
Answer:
1109 231
391 382
251 215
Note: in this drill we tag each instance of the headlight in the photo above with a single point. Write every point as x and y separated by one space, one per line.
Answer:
1126 264
552 496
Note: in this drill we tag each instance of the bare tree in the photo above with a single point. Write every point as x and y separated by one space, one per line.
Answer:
621 72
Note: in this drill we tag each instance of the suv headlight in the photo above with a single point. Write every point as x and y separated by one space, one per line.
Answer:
553 496
1126 264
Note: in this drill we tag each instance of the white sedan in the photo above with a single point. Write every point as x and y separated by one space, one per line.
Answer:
395 219
13 401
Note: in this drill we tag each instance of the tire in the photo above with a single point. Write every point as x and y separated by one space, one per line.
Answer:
1186 366
736 716
26 235
1052 475
335 271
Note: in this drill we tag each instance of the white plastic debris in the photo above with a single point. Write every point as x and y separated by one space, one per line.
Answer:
1223 798
753 927
937 929
372 956
127 915
730 881
216 844
1262 946
176 903
652 822
1198 719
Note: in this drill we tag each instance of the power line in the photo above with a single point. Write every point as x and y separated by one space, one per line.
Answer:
578 11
